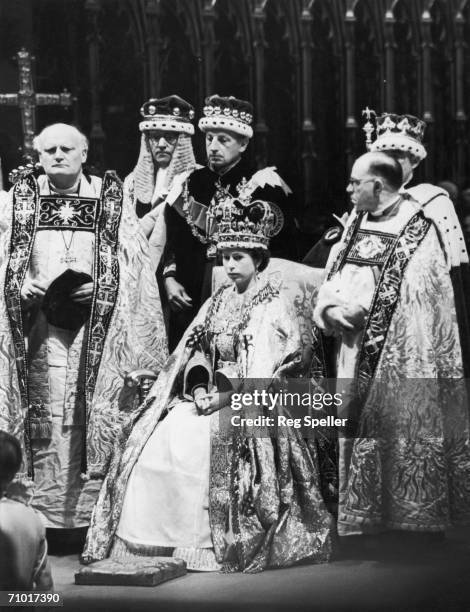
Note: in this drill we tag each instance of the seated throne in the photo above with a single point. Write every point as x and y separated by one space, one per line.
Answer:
301 284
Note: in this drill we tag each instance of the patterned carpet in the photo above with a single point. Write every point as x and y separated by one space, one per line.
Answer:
430 578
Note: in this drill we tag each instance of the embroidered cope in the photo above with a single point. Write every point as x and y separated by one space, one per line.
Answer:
62 393
405 455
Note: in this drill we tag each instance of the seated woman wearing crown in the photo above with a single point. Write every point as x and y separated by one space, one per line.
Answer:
185 485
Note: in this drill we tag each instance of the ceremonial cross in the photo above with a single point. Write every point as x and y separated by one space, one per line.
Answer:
95 355
107 257
368 127
27 100
68 259
368 113
105 298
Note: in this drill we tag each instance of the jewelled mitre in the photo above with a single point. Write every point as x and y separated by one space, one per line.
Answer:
227 113
396 133
170 114
245 223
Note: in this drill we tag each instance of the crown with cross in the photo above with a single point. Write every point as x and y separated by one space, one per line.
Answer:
395 133
243 222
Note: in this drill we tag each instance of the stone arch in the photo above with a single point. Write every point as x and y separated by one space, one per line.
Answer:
281 82
406 58
233 61
437 88
181 52
369 69
328 106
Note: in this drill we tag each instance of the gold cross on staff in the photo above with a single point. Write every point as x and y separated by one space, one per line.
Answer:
368 127
27 100
368 113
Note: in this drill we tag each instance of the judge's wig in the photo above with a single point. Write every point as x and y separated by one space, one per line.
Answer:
145 171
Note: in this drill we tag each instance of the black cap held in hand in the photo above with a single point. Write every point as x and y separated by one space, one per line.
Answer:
58 306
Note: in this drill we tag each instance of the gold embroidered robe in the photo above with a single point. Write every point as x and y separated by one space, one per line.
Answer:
264 491
77 378
405 456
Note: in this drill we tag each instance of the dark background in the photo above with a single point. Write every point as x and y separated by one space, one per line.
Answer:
308 66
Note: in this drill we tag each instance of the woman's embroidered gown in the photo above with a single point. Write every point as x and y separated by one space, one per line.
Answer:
187 485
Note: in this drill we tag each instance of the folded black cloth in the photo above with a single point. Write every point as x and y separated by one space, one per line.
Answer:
319 253
58 306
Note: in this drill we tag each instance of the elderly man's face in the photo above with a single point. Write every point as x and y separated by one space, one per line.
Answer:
62 155
361 187
162 146
224 148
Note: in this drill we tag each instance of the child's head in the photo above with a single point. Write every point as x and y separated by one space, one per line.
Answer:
10 459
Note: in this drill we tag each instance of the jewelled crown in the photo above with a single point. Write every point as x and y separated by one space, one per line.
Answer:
396 133
227 113
170 114
245 223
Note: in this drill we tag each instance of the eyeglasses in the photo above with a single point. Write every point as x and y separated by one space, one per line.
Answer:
169 137
356 182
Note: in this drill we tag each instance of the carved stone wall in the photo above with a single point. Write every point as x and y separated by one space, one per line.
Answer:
308 66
